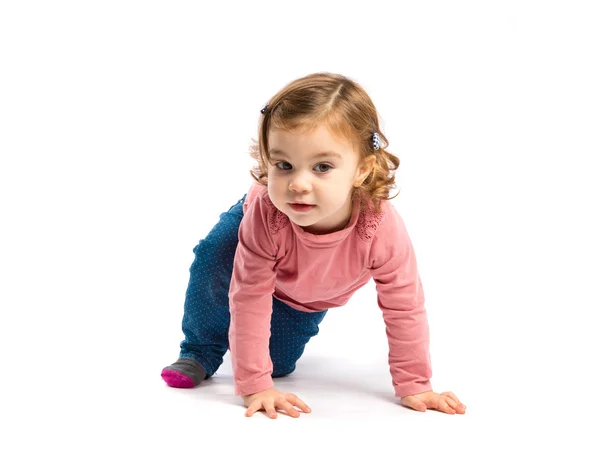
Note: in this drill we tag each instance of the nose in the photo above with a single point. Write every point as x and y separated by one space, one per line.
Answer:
299 183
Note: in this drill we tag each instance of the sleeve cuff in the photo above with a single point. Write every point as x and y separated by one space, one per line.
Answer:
413 388
247 389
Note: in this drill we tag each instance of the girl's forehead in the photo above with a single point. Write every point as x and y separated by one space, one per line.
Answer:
320 134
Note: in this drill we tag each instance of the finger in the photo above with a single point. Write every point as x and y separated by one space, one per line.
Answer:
460 405
296 401
414 403
444 407
287 407
451 403
457 406
252 408
282 403
270 409
451 395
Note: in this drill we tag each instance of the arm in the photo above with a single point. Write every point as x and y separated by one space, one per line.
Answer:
250 302
400 296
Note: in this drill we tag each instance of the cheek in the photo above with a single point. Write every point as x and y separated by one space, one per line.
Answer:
274 189
275 182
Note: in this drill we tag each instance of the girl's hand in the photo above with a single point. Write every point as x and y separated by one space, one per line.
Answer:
270 399
445 402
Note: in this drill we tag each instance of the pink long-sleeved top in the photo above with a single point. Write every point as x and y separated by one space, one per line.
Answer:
311 273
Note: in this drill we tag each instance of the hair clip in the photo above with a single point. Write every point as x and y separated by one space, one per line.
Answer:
376 141
264 109
375 137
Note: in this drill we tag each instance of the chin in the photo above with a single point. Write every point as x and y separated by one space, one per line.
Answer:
303 221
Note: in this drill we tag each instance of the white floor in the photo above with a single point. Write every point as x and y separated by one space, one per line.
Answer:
110 412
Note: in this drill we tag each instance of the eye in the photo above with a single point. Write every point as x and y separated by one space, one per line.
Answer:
316 166
279 163
324 165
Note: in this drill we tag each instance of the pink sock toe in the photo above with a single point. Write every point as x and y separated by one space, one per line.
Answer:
176 379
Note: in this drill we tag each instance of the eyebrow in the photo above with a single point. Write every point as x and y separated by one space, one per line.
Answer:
276 151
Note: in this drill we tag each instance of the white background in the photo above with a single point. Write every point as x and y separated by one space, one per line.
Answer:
124 133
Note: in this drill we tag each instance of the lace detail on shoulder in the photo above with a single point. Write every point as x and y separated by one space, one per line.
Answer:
369 220
277 220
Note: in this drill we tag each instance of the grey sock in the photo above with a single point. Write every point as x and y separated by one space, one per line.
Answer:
190 367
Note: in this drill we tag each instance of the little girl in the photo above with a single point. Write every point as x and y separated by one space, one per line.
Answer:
315 227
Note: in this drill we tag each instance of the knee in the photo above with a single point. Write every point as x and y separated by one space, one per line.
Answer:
280 372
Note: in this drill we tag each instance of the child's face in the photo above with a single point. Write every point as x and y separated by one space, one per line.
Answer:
297 175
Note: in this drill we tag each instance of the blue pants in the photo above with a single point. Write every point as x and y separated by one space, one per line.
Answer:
206 315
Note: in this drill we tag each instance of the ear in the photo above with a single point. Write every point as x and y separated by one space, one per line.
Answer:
364 170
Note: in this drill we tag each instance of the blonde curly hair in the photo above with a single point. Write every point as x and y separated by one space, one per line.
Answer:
346 109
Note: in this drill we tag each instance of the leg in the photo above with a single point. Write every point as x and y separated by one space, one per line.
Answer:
291 330
206 316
